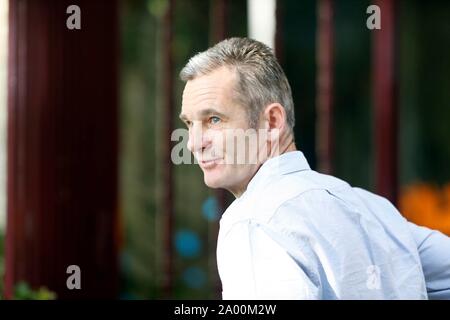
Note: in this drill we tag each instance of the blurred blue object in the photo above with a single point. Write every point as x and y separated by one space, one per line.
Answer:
210 209
194 277
129 296
187 243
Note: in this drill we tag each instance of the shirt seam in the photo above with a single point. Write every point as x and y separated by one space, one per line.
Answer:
294 197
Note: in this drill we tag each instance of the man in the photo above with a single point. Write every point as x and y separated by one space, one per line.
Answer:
293 233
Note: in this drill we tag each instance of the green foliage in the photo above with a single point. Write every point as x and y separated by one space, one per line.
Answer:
22 291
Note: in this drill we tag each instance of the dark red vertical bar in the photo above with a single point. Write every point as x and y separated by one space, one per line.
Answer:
279 31
219 20
62 147
325 85
385 102
167 165
219 32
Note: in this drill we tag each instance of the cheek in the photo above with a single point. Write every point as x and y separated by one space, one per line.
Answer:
218 143
217 137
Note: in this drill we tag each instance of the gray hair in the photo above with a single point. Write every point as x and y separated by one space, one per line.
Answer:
261 79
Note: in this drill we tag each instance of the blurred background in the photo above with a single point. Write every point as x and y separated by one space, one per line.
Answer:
86 117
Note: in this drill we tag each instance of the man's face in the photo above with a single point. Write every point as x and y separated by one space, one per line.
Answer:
213 118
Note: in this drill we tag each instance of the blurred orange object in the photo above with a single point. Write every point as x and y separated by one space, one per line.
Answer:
427 205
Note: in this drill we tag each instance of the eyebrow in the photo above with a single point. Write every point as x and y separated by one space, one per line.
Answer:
204 113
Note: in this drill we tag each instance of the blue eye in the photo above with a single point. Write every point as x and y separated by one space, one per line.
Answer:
214 120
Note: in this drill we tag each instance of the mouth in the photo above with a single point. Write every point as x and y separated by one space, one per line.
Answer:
208 164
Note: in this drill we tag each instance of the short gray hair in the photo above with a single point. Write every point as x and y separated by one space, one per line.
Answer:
261 79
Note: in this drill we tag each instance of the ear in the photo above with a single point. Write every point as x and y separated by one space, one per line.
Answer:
275 117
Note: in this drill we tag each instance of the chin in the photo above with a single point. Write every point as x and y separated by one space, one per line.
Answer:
213 182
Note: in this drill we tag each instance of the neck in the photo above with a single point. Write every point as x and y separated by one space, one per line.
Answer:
287 145
290 147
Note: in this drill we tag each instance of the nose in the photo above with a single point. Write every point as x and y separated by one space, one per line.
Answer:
198 141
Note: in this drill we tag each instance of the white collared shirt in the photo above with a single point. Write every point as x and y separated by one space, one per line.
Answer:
299 234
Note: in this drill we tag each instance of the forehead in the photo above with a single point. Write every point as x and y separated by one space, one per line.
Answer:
212 90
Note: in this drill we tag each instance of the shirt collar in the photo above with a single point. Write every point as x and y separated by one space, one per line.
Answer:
285 163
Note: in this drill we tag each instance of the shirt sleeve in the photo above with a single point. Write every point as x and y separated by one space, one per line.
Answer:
262 268
434 251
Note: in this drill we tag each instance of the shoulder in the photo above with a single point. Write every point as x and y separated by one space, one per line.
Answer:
294 193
